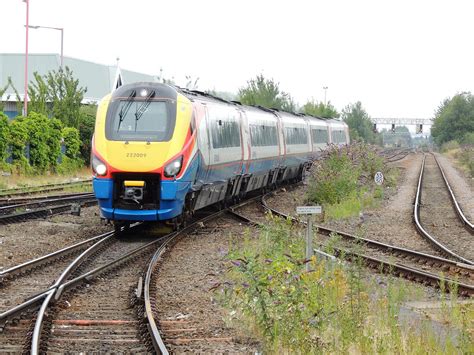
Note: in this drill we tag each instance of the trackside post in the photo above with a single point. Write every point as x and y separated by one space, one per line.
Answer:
309 211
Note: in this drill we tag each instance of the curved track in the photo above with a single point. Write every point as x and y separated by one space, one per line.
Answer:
437 218
420 267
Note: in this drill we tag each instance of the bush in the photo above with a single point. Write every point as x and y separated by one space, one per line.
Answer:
342 173
72 142
86 130
451 145
3 137
332 309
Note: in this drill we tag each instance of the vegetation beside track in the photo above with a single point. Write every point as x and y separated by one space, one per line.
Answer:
333 308
343 180
463 154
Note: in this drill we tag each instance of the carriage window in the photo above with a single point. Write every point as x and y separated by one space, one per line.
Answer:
263 136
295 135
225 134
338 137
319 135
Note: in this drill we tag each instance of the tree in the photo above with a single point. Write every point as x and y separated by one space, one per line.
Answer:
86 130
3 137
454 119
360 126
57 94
320 109
266 92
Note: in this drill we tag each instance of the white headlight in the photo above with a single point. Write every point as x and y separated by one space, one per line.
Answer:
173 168
98 166
101 169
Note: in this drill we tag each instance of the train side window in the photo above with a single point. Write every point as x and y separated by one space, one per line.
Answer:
296 135
320 136
225 134
263 135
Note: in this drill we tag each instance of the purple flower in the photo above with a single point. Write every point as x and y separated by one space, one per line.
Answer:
236 262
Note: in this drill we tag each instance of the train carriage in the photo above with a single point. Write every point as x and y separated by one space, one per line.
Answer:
160 153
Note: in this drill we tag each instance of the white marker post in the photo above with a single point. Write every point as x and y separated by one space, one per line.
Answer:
308 211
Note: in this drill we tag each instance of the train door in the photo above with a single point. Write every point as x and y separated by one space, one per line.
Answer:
204 143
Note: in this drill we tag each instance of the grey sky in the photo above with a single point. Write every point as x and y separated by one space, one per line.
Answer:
399 58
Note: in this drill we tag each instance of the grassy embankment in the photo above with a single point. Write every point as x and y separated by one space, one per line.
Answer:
13 180
343 181
334 308
463 156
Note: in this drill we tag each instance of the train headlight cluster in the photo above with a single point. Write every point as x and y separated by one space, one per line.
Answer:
98 166
173 168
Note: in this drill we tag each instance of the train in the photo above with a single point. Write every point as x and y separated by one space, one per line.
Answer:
161 153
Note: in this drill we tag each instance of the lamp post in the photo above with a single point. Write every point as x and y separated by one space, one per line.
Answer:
325 91
62 38
25 110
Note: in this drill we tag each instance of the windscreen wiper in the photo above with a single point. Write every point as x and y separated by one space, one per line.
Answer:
143 107
125 108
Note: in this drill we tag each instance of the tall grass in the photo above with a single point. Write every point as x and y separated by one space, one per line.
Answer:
334 308
342 181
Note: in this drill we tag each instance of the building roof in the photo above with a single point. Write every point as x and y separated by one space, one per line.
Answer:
97 78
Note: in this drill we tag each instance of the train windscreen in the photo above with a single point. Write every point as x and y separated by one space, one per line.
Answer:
140 119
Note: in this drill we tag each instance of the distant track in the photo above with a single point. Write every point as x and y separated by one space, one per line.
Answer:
27 190
439 241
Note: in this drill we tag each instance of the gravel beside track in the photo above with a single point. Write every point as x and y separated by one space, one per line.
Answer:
438 216
462 186
101 317
21 242
187 285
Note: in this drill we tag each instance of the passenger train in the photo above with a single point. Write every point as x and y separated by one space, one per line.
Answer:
159 153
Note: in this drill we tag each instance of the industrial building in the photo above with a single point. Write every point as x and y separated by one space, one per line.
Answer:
99 79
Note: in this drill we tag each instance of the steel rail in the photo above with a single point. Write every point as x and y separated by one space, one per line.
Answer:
157 341
40 213
19 191
34 263
61 285
375 243
419 227
404 270
8 201
46 201
33 302
35 343
469 226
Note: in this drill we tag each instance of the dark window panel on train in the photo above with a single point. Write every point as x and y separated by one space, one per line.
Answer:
263 135
338 137
320 135
295 135
225 134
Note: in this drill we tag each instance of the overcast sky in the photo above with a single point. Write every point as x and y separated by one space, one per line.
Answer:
399 58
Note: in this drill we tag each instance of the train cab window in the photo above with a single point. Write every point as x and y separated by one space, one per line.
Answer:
263 135
296 135
140 119
320 135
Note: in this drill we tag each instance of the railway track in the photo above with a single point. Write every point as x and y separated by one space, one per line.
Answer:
410 264
95 304
19 212
437 214
398 156
28 190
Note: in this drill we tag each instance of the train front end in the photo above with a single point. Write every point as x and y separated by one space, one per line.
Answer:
142 153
